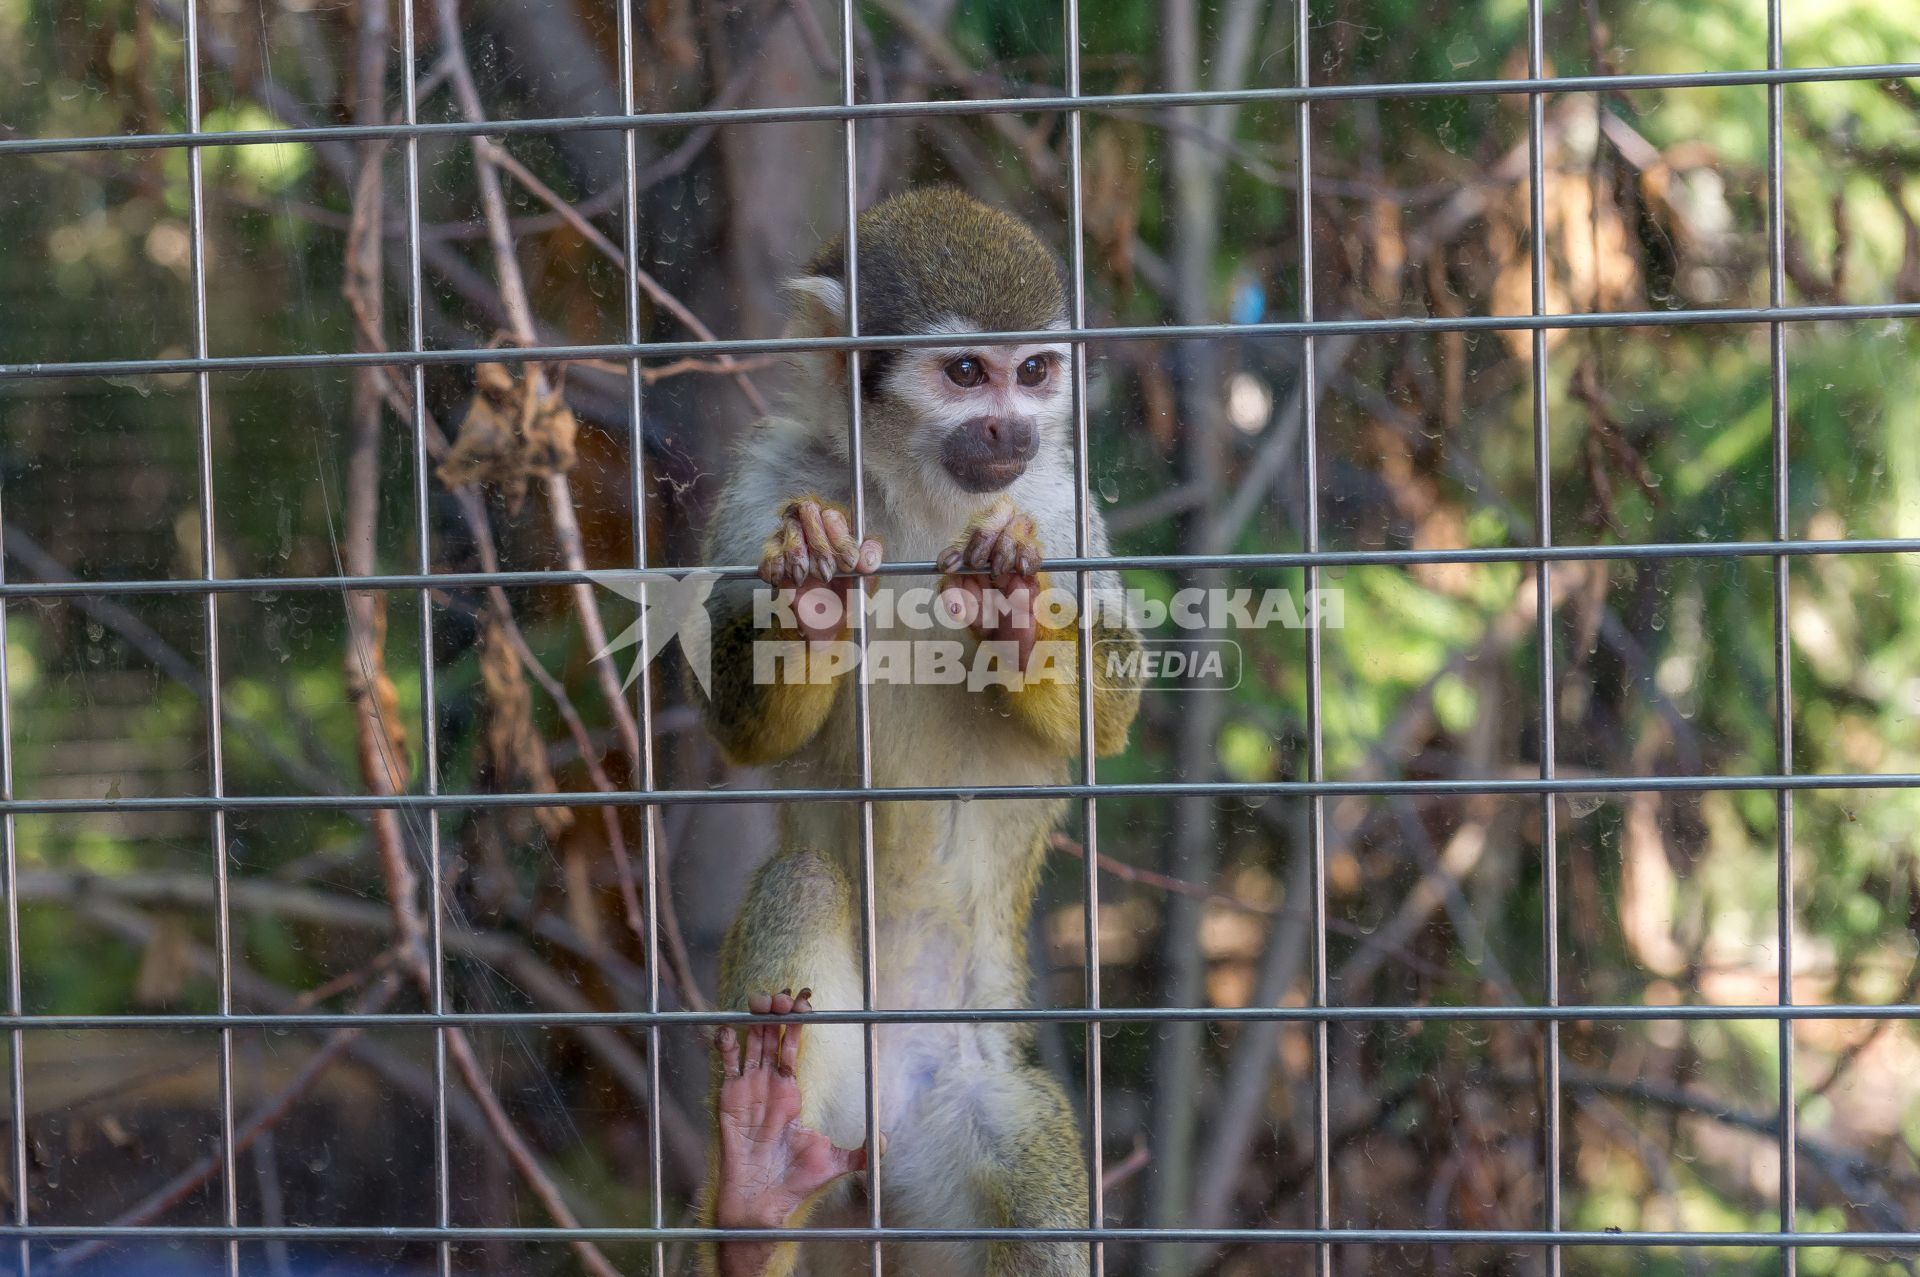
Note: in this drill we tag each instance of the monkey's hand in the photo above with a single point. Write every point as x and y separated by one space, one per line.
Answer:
813 553
770 1165
1002 547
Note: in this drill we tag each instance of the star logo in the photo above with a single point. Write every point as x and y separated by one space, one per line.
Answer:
671 606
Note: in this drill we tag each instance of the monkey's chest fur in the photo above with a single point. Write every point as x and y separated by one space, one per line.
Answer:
954 879
954 885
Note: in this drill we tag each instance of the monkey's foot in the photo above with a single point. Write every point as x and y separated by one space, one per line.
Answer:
1001 548
813 553
770 1164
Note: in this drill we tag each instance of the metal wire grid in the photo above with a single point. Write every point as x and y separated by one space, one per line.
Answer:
1320 1015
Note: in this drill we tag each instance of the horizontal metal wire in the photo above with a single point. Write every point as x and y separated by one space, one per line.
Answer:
1215 1236
801 345
1356 1014
537 578
1491 786
962 106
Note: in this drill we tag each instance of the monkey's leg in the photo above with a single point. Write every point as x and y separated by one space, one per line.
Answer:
1034 1178
770 1164
797 929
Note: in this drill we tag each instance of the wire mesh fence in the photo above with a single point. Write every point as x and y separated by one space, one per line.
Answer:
409 805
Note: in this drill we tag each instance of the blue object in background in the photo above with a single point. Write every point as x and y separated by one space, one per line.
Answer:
1249 303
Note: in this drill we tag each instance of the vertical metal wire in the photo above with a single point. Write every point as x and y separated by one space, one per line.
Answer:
1316 744
210 616
1782 639
1543 634
643 686
1082 539
862 699
429 713
9 860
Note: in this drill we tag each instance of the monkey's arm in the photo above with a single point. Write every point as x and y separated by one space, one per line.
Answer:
774 682
1049 706
758 719
1002 546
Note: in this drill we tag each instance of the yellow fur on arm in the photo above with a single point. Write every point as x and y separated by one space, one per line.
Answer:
760 722
1050 706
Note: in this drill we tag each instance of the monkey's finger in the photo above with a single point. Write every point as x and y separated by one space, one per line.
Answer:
980 548
758 1046
790 1044
790 1047
820 611
727 1042
782 1005
1025 636
1007 550
960 600
798 561
819 545
856 1159
756 1049
868 559
840 534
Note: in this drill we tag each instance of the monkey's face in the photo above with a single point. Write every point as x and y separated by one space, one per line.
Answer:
978 415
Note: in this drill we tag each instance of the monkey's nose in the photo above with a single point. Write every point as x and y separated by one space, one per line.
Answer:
985 454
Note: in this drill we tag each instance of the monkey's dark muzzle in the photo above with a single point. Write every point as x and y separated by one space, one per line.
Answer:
985 454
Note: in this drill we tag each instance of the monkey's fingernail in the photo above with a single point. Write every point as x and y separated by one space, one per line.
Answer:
788 992
806 993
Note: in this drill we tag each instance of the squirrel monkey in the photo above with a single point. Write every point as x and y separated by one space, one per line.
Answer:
969 464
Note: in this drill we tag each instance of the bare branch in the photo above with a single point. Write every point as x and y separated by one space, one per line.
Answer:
591 233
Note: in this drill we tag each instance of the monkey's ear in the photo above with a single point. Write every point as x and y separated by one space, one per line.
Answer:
819 306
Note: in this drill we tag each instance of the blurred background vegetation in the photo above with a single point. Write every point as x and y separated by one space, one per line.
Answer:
1655 200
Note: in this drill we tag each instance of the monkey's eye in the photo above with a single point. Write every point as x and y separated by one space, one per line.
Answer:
1034 369
967 371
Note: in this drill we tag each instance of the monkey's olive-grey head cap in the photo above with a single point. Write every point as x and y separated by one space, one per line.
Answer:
935 255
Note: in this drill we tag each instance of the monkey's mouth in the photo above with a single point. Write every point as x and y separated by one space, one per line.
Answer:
985 454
